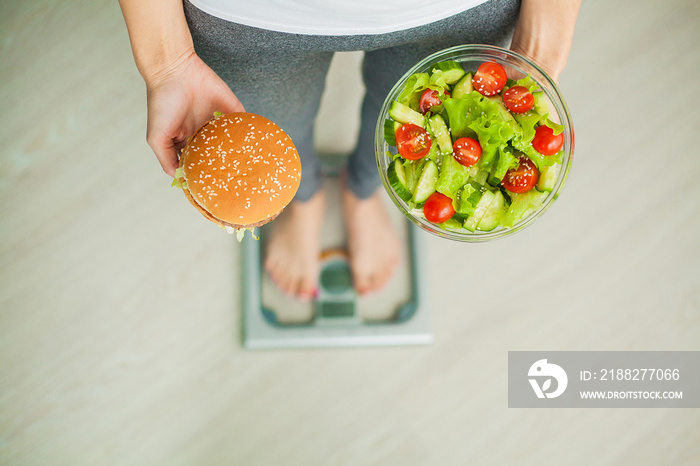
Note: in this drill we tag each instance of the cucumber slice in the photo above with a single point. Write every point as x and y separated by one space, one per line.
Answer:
505 113
494 213
548 177
426 182
390 127
439 128
463 87
480 210
452 224
396 174
451 71
404 114
413 171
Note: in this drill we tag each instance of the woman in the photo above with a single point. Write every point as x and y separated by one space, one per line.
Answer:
270 57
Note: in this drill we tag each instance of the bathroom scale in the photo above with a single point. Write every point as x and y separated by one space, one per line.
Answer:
337 316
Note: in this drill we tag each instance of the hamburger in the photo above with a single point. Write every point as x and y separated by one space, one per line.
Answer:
239 170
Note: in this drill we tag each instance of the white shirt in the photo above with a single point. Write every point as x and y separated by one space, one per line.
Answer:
334 17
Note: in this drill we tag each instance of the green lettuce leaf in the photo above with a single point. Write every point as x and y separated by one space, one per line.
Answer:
541 105
497 129
528 121
493 135
453 175
468 198
179 180
240 232
484 119
416 84
437 80
528 83
506 161
522 205
556 127
461 113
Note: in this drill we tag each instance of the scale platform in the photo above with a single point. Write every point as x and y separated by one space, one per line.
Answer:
337 316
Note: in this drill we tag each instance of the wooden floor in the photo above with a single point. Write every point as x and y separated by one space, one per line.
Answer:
120 306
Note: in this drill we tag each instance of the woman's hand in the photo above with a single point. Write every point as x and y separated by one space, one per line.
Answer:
544 32
183 92
181 98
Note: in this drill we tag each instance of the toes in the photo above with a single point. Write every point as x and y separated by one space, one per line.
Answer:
368 281
284 283
307 289
293 284
361 281
381 280
301 287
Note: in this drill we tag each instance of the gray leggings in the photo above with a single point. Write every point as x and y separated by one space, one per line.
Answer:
281 76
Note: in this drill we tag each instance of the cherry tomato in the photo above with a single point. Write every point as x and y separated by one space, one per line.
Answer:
545 142
518 99
466 151
438 208
429 99
521 179
412 141
489 78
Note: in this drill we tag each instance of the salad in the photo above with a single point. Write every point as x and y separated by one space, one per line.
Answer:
474 151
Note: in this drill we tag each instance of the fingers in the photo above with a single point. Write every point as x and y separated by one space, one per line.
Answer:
181 104
169 131
166 153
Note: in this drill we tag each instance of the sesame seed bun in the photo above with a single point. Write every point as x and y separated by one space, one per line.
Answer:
240 170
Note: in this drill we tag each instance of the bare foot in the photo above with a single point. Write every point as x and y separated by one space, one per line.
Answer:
294 247
373 243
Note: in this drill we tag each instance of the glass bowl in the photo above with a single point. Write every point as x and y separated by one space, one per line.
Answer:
470 57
